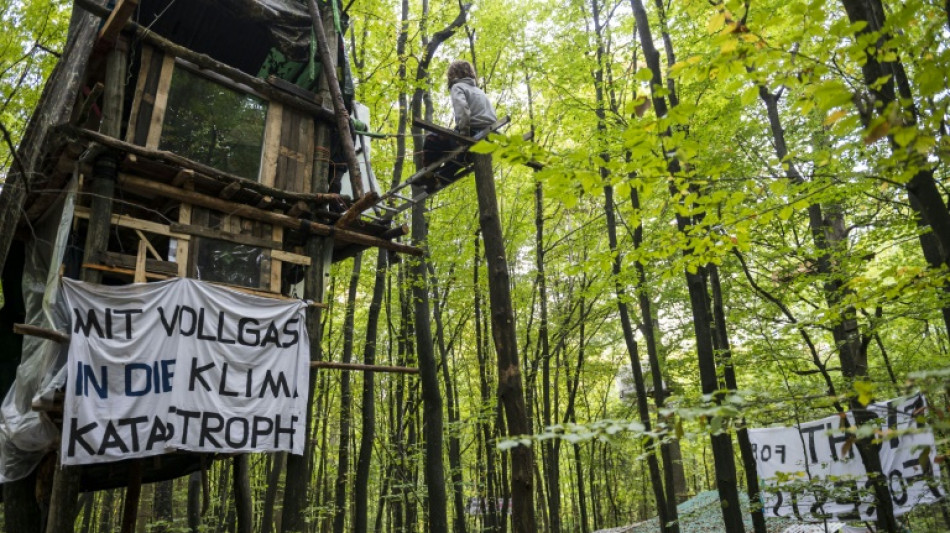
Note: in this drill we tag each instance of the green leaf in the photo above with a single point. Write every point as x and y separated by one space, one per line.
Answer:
865 391
483 147
643 74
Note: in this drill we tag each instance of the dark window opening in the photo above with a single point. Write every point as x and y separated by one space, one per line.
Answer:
213 124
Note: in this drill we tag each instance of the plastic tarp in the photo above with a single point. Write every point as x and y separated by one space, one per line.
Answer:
27 435
287 20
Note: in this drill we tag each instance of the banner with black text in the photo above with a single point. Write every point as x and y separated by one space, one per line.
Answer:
813 471
182 364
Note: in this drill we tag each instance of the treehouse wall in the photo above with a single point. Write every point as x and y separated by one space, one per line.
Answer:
207 118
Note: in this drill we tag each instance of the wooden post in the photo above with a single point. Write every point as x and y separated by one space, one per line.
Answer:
342 117
106 167
132 493
64 498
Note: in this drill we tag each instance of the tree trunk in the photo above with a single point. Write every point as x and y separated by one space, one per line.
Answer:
320 251
278 460
163 510
722 444
490 519
510 389
455 446
729 376
21 511
368 430
194 502
243 502
346 401
673 474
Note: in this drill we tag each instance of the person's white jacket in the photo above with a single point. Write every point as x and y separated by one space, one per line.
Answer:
473 111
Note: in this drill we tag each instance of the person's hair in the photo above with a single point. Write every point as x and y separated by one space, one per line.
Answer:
458 70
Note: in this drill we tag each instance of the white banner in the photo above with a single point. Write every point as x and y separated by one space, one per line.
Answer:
812 472
182 364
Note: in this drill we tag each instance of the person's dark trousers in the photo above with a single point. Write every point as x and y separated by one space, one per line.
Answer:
435 148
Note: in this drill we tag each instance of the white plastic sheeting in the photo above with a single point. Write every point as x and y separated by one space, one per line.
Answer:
26 435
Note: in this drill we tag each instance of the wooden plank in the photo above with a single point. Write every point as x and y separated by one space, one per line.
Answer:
155 266
150 73
275 268
126 221
140 262
239 238
368 200
151 248
121 270
117 20
285 166
145 58
305 146
363 368
43 333
176 160
184 246
210 202
290 88
290 257
271 148
161 102
441 130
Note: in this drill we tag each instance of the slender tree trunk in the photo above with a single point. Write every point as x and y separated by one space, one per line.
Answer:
487 499
368 430
673 475
510 388
722 443
667 521
729 376
163 506
346 401
428 373
320 250
106 512
87 510
455 446
243 502
278 460
828 233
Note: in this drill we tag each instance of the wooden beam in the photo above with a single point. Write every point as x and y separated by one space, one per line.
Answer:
206 62
290 257
184 177
123 271
43 333
140 258
179 161
442 130
118 18
126 221
368 200
336 96
230 190
239 238
364 368
344 235
151 248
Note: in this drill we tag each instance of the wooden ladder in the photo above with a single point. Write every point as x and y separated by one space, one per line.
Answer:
400 201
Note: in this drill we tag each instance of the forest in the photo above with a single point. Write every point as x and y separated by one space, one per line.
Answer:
716 216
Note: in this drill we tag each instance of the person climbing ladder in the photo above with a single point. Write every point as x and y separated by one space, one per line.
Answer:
473 113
